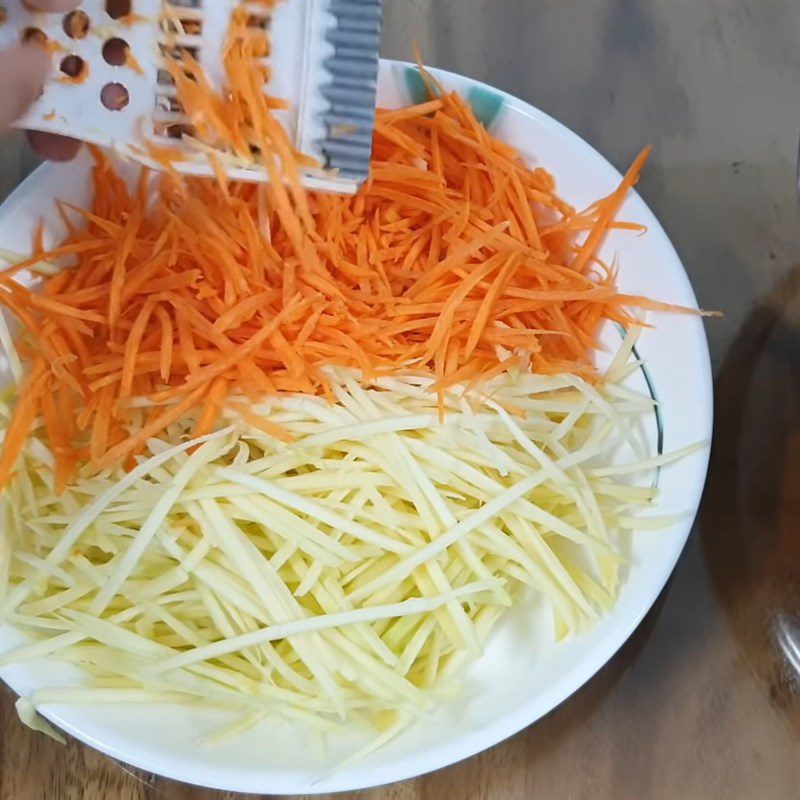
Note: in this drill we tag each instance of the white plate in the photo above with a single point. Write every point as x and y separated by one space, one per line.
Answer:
523 673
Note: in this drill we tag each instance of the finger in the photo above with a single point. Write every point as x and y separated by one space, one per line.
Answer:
51 6
52 146
23 69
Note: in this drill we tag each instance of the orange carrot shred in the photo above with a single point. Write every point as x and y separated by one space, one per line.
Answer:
211 407
451 256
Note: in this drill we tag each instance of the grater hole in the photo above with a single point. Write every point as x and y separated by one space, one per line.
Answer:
116 9
176 52
73 67
166 103
163 78
115 52
258 22
185 27
34 36
173 130
76 24
185 3
114 96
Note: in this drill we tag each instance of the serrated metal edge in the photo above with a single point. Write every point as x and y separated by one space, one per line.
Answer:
351 91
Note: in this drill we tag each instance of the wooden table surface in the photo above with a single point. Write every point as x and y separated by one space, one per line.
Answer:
704 700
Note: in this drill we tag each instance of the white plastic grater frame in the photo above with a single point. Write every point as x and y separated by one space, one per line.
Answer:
297 30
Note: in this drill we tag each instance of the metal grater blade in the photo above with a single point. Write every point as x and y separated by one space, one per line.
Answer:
353 69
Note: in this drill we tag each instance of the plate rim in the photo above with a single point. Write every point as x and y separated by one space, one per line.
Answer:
472 742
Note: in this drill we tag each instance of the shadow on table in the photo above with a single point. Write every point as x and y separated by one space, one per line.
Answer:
750 531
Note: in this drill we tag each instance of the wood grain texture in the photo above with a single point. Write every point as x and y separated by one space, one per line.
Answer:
704 700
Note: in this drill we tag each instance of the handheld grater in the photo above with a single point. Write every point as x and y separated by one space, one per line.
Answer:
109 85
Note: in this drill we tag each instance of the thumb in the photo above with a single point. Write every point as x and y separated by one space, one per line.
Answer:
23 70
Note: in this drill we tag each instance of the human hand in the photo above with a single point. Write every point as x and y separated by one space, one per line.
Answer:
23 71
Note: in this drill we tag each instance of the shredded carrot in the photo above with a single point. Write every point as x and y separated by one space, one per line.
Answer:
454 258
238 119
131 19
130 61
211 407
